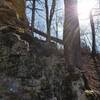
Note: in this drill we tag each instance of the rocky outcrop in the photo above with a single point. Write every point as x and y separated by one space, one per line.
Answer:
29 68
32 70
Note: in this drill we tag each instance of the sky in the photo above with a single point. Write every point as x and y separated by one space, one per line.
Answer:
84 8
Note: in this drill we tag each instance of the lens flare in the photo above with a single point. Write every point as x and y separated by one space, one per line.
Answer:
84 8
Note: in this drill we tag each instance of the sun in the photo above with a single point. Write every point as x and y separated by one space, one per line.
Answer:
84 8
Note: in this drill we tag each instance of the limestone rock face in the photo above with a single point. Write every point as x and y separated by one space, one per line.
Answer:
29 69
32 70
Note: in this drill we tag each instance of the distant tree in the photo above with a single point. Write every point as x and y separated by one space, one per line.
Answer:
93 35
71 35
33 15
49 17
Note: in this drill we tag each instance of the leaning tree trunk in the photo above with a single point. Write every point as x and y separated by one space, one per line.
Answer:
71 35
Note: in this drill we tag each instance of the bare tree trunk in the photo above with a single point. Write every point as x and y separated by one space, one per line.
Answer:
49 17
56 26
71 35
93 35
33 17
47 20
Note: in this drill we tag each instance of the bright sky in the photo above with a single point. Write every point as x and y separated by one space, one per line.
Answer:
84 8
